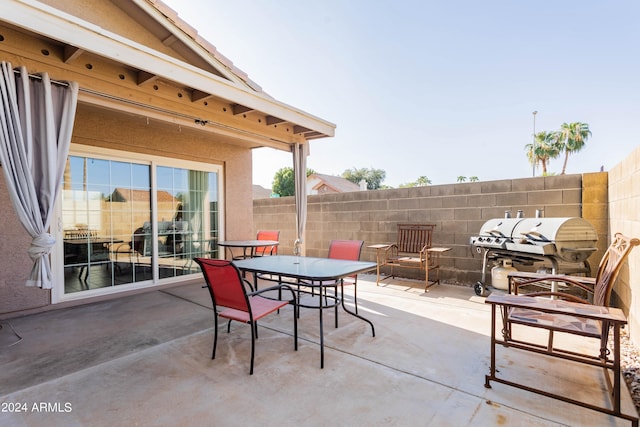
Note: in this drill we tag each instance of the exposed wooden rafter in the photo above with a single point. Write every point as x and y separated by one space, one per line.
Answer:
144 77
239 109
71 53
198 95
273 120
300 129
170 40
313 134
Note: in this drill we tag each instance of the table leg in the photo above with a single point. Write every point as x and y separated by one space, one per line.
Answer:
616 368
373 331
377 267
492 370
320 297
426 274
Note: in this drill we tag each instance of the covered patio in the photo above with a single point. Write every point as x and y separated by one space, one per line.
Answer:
145 360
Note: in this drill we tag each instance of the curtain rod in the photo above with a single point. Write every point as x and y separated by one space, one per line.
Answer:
39 77
196 120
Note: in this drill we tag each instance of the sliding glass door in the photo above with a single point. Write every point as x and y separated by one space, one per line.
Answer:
187 218
134 223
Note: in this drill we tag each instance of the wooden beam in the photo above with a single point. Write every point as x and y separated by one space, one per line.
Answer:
144 77
71 53
300 129
170 40
273 120
311 135
239 109
198 95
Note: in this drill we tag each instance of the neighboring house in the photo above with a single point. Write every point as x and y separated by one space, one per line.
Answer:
259 192
318 183
163 134
129 195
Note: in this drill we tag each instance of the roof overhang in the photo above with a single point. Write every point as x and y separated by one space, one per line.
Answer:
78 35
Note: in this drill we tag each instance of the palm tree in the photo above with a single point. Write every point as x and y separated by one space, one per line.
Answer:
573 136
474 179
547 147
462 178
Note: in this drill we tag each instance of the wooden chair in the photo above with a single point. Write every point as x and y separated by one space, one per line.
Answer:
411 250
598 292
563 312
231 300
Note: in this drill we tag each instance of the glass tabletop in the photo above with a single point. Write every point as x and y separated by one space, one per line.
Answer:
310 268
247 243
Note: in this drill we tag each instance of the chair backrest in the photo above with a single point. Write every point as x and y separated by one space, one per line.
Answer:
412 238
610 267
224 283
268 235
345 249
137 241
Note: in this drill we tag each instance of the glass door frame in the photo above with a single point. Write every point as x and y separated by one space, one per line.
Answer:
58 294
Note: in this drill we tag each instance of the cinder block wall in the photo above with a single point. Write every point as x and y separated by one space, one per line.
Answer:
624 217
458 210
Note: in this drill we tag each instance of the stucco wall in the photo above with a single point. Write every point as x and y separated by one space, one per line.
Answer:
458 210
15 264
624 208
128 134
136 134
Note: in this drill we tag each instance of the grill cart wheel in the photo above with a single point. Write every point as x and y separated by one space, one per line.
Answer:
480 290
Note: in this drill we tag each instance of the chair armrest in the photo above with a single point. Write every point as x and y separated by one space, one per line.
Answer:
391 251
518 280
557 295
424 252
275 288
119 246
248 284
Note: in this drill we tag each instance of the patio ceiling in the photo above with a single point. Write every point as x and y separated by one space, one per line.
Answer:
194 69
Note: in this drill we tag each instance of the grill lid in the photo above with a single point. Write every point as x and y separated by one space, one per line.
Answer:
570 239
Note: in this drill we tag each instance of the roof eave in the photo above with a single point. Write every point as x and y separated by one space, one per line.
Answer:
53 23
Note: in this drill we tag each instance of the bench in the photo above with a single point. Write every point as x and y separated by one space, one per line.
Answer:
412 249
561 311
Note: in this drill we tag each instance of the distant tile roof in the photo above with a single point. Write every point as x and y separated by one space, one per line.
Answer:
128 195
335 183
259 192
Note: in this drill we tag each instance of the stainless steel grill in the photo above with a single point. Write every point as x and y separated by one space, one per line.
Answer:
562 243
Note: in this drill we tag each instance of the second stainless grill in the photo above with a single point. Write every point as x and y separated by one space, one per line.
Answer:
563 243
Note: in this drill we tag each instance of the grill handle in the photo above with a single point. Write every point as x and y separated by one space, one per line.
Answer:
496 233
535 236
579 249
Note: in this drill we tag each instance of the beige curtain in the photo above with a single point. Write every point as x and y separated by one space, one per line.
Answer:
300 153
36 122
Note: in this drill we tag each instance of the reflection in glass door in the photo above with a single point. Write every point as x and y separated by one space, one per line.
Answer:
187 218
113 235
104 205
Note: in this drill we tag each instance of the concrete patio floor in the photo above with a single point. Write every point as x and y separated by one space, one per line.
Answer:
145 360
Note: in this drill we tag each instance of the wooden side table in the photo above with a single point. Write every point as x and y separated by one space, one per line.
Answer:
433 263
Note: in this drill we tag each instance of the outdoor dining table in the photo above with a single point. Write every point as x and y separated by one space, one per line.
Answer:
248 246
88 250
317 273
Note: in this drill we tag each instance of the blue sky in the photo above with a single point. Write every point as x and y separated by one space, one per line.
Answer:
437 88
